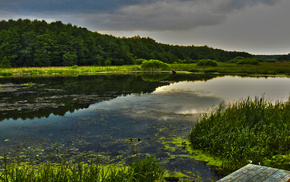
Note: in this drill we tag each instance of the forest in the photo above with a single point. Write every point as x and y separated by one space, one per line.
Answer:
34 43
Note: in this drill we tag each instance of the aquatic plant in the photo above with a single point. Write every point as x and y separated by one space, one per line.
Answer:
140 169
254 130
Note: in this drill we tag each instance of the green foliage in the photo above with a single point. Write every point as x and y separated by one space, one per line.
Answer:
256 131
207 62
6 74
36 43
146 169
154 65
242 60
75 67
270 60
139 61
140 170
5 63
284 57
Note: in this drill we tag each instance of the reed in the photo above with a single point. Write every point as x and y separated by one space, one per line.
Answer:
141 169
248 131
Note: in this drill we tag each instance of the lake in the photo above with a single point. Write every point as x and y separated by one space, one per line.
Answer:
116 117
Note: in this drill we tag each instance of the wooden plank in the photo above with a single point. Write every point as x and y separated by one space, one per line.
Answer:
251 174
242 171
264 174
257 173
278 176
287 178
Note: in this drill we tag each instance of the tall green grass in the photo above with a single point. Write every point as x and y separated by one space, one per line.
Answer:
139 170
254 131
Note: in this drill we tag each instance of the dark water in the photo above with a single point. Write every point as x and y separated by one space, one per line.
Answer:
118 117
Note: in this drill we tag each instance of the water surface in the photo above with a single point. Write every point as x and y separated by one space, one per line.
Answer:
118 117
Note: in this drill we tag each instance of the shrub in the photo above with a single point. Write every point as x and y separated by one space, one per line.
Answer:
6 74
139 61
154 64
207 62
74 67
253 61
236 59
271 61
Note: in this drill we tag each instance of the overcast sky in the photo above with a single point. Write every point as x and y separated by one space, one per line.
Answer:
254 26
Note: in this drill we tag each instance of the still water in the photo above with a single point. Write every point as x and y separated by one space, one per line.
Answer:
118 117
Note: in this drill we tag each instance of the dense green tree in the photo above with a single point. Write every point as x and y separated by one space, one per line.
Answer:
5 63
38 43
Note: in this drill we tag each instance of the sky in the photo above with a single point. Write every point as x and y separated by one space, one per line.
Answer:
253 26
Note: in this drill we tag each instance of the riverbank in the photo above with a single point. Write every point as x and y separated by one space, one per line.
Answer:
277 68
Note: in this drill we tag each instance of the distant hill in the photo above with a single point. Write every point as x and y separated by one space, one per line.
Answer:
27 43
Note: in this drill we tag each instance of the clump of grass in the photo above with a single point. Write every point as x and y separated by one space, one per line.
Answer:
29 84
146 169
250 130
141 169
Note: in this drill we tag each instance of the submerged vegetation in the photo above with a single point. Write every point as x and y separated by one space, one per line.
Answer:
250 131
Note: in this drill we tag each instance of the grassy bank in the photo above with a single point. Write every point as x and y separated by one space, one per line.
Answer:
248 131
222 68
141 169
66 71
232 68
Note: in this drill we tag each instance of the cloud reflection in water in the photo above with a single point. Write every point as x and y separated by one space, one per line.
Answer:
199 96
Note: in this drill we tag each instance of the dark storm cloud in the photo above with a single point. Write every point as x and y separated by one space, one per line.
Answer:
230 5
66 6
130 14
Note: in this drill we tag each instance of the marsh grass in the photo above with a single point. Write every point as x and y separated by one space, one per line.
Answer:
232 68
222 68
140 169
66 71
248 131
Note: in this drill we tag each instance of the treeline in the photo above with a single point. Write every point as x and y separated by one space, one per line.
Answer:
27 43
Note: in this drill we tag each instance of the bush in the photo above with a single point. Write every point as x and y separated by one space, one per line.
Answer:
207 62
154 64
253 61
271 61
139 61
242 60
6 74
236 59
